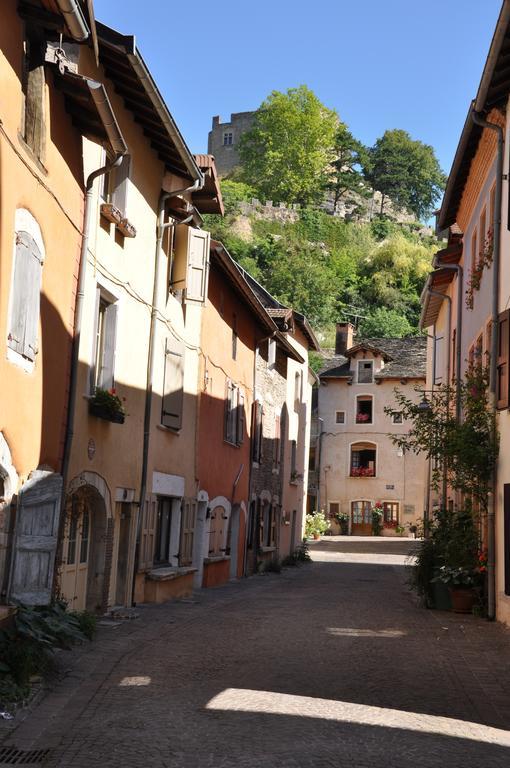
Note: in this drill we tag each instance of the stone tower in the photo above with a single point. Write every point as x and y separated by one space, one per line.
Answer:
224 138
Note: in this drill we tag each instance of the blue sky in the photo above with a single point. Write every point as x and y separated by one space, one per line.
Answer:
380 65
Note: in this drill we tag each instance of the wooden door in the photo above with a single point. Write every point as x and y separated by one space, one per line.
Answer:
361 518
76 554
35 539
188 519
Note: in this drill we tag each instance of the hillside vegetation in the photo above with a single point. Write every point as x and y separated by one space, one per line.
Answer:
331 269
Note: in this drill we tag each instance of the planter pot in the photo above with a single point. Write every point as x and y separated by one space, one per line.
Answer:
463 599
100 412
317 536
344 530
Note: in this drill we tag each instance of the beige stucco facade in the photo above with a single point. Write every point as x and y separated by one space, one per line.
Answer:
398 476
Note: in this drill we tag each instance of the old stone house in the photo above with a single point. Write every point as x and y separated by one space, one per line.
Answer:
356 462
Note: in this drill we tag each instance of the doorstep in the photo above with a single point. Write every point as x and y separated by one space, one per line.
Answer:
166 574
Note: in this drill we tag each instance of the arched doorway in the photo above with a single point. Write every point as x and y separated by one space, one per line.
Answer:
83 570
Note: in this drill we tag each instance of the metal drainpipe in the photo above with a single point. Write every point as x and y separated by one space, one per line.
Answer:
491 511
87 218
444 296
160 229
320 423
426 515
74 19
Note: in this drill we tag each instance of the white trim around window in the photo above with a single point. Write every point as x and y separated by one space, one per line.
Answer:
364 361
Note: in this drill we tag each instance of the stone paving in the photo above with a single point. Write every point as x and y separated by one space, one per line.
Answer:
330 664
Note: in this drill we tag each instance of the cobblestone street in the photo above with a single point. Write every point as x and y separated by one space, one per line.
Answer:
330 664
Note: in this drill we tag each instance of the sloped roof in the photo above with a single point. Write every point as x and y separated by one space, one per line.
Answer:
405 359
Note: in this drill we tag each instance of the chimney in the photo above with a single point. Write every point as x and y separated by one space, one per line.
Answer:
344 337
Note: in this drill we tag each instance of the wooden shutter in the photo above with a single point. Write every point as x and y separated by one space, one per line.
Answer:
189 511
277 441
173 385
119 195
506 536
257 431
502 364
438 351
198 265
35 539
25 300
240 426
293 467
148 534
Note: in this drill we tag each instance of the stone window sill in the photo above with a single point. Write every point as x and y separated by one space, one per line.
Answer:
216 559
167 574
268 549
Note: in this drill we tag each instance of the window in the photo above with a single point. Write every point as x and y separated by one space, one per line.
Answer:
365 371
297 389
25 297
311 458
268 537
271 354
163 527
228 139
34 128
293 460
361 513
340 417
454 353
115 185
334 509
397 417
364 409
390 511
173 384
363 460
474 250
438 358
256 431
234 414
234 337
482 230
502 363
102 373
277 442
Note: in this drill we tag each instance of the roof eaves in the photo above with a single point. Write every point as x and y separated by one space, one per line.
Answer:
125 45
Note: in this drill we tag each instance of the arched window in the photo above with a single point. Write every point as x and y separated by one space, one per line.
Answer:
363 460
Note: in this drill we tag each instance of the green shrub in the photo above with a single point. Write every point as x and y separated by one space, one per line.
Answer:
87 623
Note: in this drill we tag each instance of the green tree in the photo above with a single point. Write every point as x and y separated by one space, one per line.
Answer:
385 323
286 154
350 158
407 172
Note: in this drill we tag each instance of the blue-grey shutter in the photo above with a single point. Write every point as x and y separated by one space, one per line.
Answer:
25 304
93 372
110 334
173 384
35 539
121 177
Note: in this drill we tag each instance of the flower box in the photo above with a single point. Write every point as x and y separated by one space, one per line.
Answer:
106 405
126 229
111 213
362 418
362 472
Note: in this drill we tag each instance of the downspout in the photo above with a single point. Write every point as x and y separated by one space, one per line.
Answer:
426 516
320 423
491 511
116 139
444 296
161 226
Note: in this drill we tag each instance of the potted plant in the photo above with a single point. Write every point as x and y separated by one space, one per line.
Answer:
399 530
461 583
377 513
316 525
343 521
106 404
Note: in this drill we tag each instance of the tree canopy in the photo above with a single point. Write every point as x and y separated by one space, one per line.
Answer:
385 323
286 154
405 171
346 176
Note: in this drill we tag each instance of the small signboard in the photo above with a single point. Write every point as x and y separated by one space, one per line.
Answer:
390 487
409 509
